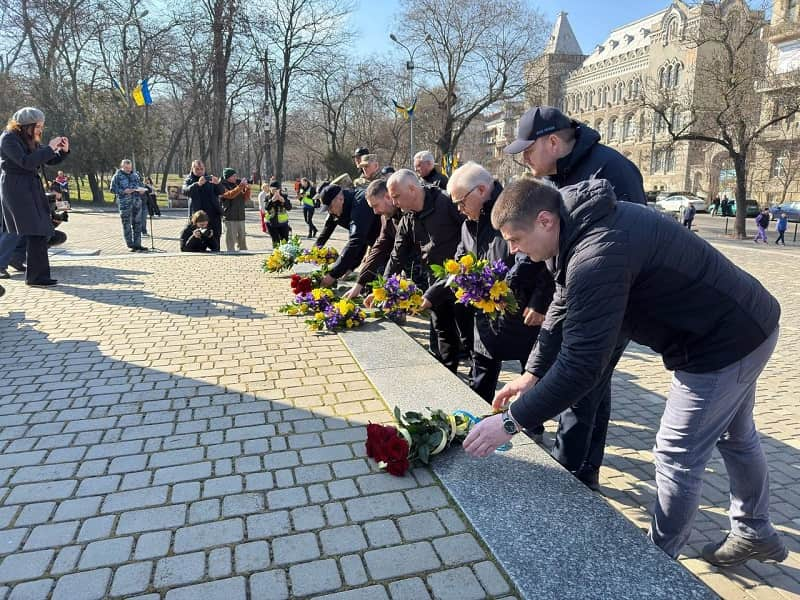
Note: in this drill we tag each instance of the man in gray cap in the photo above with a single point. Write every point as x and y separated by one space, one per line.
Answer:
370 169
565 152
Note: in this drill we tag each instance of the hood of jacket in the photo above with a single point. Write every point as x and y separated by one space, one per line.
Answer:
585 139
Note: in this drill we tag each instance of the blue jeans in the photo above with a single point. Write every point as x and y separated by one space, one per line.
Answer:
130 209
12 248
705 410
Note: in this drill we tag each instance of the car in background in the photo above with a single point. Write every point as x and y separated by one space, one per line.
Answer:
751 206
792 210
676 203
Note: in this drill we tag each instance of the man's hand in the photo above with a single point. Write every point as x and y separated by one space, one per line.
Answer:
513 389
197 233
426 304
369 300
128 191
202 180
485 437
214 179
354 291
532 318
327 281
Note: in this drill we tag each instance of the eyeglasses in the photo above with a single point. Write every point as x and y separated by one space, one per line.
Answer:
460 203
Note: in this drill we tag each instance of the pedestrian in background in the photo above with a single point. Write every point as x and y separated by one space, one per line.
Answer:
780 226
762 222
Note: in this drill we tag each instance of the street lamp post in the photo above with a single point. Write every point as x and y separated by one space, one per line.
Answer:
267 151
410 69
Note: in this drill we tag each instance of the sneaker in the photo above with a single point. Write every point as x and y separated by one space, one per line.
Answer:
735 550
17 266
141 249
4 274
133 249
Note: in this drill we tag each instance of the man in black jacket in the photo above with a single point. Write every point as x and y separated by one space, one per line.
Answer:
353 213
431 227
617 273
204 191
565 152
425 167
474 191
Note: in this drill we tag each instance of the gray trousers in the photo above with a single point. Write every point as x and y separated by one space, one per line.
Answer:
235 234
705 410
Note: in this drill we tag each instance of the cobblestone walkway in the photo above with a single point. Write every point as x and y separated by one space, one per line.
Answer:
164 433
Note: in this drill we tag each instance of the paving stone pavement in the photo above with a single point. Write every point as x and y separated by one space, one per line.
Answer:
166 433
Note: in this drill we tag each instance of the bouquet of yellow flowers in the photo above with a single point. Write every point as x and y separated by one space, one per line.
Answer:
283 257
479 283
338 315
321 256
396 296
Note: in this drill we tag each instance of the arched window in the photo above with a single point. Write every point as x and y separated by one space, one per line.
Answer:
671 31
635 87
612 128
577 106
669 160
620 91
629 128
598 126
658 161
779 164
792 12
676 75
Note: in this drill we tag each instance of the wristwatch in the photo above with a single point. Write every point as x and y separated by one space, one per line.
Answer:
509 425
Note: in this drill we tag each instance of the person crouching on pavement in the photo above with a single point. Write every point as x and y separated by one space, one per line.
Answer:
197 237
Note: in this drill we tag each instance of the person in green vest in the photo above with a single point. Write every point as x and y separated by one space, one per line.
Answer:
306 194
276 214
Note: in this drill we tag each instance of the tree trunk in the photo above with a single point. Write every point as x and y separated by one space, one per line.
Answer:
95 187
740 165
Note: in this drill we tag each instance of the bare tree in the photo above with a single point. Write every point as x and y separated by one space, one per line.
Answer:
731 67
784 153
474 55
290 36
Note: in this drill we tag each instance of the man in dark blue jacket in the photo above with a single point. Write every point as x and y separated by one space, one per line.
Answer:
351 211
618 273
566 152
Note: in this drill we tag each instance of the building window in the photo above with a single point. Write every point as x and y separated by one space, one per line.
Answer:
612 128
669 160
676 75
779 164
671 31
635 87
598 126
792 12
629 128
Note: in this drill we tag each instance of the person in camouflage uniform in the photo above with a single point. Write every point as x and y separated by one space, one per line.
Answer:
370 169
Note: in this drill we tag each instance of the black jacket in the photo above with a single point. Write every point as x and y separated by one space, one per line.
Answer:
203 197
233 200
381 250
272 207
361 223
625 269
23 205
436 179
433 232
189 243
507 337
590 159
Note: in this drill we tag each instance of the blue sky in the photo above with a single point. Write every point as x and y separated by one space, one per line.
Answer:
591 20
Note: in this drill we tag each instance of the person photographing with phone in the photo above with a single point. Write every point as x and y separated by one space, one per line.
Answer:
23 205
197 236
234 199
204 191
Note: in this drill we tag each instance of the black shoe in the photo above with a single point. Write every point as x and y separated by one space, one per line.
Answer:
141 249
17 266
133 249
42 282
589 477
2 291
735 550
4 274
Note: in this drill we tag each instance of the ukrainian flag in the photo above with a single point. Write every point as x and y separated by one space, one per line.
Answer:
141 94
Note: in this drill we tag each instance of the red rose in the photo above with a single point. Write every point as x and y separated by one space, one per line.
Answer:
375 442
397 449
397 468
303 286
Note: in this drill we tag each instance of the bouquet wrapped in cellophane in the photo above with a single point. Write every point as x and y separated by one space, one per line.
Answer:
283 257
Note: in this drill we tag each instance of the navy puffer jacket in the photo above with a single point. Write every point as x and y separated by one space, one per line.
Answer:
625 269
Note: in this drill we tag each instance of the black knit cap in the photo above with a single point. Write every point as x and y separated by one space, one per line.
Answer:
360 152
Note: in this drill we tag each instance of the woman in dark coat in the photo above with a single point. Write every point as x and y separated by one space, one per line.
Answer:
23 203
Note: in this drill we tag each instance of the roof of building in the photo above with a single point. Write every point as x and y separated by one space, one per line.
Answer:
563 40
624 39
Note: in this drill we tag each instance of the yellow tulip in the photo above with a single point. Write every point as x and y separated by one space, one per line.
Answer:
404 283
499 289
379 295
467 261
